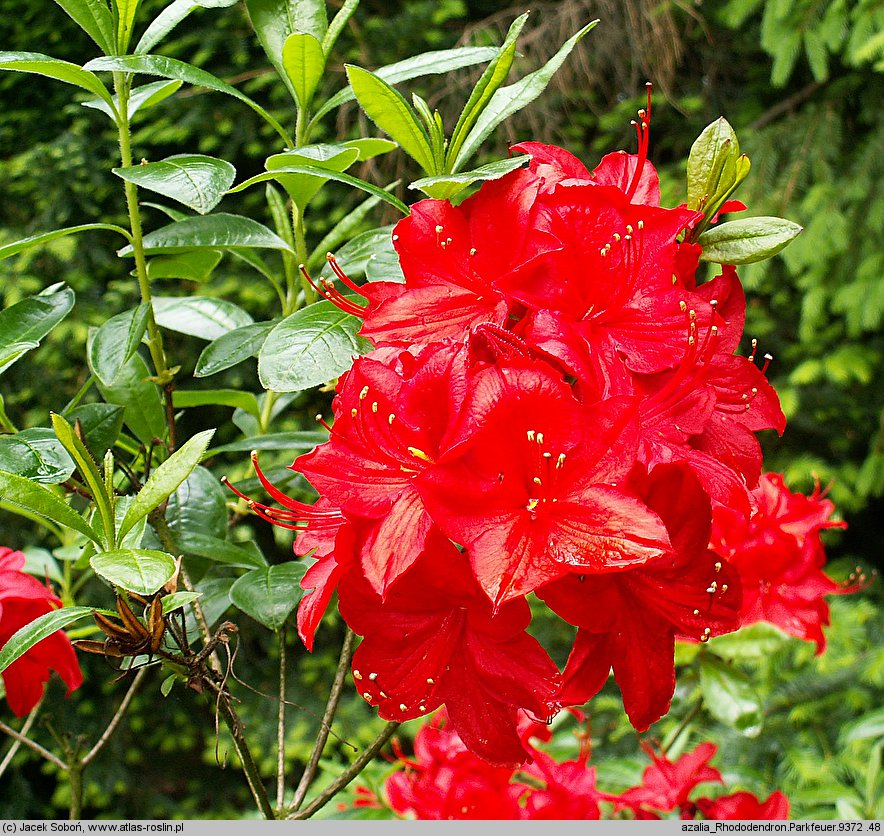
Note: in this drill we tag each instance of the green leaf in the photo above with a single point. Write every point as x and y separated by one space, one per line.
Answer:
446 186
94 18
193 265
232 348
326 175
126 11
177 600
112 344
171 16
141 98
30 496
199 316
100 425
495 74
46 65
171 68
428 63
37 630
339 21
390 112
10 353
220 231
310 347
729 696
25 323
183 399
756 641
270 594
143 571
869 726
304 63
164 480
511 99
143 408
712 165
747 240
16 247
302 187
198 506
221 551
356 255
296 440
370 146
37 455
197 181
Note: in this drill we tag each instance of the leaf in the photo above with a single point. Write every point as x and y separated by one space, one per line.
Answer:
46 65
428 63
232 348
25 323
10 353
355 256
199 316
112 344
198 506
370 146
40 628
755 641
140 98
446 186
511 99
391 113
143 407
197 181
170 17
310 347
94 18
495 74
304 63
221 551
869 726
193 265
37 455
275 20
339 21
296 440
269 595
729 696
171 68
302 187
126 11
177 600
16 247
143 571
41 500
100 425
165 479
183 399
747 240
221 231
712 165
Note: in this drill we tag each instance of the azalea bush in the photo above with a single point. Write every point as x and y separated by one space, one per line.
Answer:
539 465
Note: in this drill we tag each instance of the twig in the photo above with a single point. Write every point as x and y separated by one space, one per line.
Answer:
16 744
115 720
785 106
53 759
280 725
348 775
331 707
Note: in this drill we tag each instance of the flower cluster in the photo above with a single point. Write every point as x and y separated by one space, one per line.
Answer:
22 599
553 406
444 780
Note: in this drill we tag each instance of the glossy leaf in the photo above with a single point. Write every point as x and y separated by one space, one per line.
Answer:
304 63
25 323
220 551
12 352
198 506
729 697
37 455
114 342
355 256
170 17
172 68
446 186
310 347
143 571
302 187
46 65
165 479
184 399
140 98
296 440
193 265
177 600
755 641
370 146
747 240
125 17
23 493
197 181
390 112
40 628
199 316
143 408
100 425
16 247
511 99
712 164
220 231
94 18
269 595
232 348
339 21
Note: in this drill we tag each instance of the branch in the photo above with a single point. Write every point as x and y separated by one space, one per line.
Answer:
53 759
115 720
280 725
16 744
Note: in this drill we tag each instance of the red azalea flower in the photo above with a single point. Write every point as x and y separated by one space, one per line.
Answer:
779 555
744 805
528 483
629 620
23 599
434 641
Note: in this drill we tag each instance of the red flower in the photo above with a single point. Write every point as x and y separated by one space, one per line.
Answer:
434 641
629 620
23 599
528 484
779 555
744 805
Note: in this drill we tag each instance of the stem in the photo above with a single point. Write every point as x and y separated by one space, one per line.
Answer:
331 707
115 720
301 251
267 410
16 744
348 775
75 778
280 726
5 424
81 393
44 753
